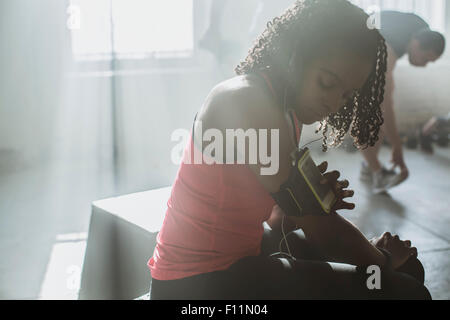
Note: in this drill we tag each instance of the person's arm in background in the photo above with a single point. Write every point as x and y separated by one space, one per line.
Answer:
212 38
390 124
217 8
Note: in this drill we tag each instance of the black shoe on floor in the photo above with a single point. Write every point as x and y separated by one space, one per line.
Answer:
426 143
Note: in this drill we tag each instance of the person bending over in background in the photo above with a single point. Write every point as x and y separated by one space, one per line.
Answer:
405 33
317 61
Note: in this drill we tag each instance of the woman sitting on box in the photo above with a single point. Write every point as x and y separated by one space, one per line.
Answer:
319 61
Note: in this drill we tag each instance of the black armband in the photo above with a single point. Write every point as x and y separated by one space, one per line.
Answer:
303 194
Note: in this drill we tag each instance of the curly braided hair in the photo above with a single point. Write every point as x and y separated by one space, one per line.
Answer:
309 28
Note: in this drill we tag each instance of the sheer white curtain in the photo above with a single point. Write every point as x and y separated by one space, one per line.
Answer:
55 141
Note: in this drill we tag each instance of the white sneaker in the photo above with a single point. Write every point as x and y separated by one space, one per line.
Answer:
399 178
365 173
384 179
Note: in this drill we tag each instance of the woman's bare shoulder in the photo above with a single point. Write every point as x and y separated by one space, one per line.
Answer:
242 101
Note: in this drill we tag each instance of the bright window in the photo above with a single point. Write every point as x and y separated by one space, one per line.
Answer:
432 11
141 28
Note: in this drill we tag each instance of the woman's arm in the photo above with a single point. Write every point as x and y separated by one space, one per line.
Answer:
276 220
338 240
387 107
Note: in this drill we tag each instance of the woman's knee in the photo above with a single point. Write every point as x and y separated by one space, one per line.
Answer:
414 268
402 286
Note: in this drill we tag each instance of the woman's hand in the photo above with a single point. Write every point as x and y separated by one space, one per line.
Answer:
338 187
398 161
400 250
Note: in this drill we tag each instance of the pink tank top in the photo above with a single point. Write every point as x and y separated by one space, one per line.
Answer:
214 217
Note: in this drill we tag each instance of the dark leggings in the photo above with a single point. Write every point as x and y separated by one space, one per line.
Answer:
307 277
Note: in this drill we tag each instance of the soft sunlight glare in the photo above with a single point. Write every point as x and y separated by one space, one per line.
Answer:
140 27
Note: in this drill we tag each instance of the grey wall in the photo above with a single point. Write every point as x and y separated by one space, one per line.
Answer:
31 56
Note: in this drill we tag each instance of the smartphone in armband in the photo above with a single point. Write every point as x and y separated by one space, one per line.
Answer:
315 198
322 193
